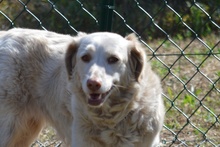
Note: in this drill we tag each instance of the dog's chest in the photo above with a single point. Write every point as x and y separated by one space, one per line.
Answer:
125 133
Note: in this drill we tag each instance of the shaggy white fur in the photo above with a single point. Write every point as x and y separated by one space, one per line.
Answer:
94 89
116 96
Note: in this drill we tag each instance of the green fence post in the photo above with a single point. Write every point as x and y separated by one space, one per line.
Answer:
107 8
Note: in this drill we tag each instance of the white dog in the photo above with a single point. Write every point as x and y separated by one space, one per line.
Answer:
95 90
116 96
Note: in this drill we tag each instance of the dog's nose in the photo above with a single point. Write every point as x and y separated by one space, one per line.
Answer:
93 85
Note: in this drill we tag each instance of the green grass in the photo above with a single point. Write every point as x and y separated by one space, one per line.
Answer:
195 100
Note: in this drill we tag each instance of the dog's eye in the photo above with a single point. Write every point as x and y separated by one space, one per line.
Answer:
112 60
86 58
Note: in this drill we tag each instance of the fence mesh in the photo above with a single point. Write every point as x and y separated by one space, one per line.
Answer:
183 43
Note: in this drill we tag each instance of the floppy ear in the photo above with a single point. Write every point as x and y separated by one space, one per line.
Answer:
136 63
70 58
136 59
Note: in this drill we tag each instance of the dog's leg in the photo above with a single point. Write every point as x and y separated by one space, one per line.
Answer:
149 140
17 132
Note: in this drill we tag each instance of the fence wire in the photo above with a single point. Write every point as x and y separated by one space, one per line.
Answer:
183 43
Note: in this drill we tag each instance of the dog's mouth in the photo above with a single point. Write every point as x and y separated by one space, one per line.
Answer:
96 99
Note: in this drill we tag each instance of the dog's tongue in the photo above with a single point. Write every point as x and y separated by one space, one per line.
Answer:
95 99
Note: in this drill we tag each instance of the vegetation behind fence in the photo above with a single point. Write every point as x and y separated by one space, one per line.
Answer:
182 38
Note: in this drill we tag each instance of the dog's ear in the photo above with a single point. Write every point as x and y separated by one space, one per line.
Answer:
137 56
136 63
70 58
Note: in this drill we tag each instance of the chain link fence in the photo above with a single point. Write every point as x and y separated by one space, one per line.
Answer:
182 38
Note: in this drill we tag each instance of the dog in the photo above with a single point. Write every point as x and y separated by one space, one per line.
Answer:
95 89
116 97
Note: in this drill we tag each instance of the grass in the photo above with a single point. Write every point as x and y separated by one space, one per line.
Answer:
191 87
47 138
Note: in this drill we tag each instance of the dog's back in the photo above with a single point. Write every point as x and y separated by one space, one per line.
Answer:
31 62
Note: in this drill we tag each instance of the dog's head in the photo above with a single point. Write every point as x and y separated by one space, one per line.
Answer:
102 61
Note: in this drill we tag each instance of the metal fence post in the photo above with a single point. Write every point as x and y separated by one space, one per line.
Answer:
107 8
